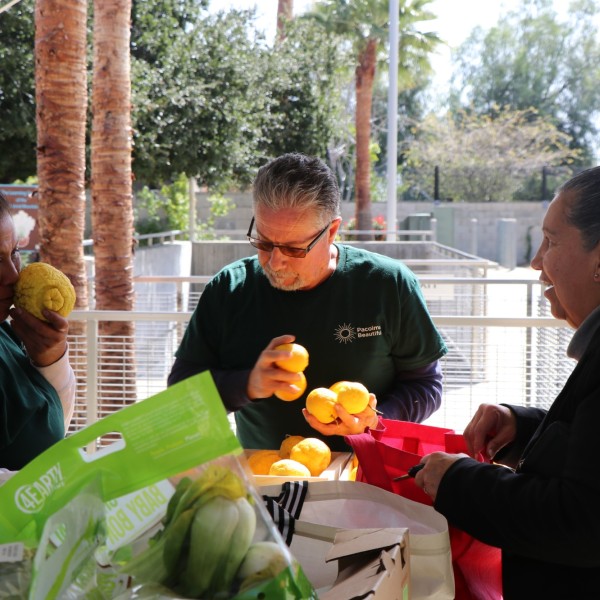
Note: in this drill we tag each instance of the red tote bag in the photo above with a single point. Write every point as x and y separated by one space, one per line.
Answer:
388 453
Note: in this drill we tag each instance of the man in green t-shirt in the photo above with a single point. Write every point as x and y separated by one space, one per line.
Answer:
360 315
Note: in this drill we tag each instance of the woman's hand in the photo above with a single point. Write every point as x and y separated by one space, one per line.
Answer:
45 342
436 465
491 428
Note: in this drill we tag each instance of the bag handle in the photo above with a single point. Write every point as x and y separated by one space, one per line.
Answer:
366 446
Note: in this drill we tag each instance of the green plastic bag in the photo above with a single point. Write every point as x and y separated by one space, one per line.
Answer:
74 515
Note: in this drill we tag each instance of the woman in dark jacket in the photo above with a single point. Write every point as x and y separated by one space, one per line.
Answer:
543 511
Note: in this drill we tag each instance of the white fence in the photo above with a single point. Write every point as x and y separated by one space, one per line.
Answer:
503 346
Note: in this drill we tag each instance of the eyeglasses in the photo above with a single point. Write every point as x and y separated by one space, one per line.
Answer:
287 250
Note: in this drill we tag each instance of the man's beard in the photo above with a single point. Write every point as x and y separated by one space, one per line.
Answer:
277 278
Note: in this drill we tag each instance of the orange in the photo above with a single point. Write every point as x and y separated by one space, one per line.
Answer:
288 443
352 474
288 467
352 395
260 461
299 388
320 403
297 362
313 453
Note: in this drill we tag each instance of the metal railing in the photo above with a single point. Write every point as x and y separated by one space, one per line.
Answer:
503 346
240 234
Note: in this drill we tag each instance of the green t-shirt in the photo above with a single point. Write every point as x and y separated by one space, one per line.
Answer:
31 415
365 323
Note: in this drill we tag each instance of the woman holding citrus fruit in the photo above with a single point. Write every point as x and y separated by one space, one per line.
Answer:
37 389
359 316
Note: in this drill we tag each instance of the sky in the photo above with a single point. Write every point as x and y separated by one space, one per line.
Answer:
456 19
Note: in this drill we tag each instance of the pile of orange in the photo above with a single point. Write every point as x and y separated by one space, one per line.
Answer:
352 395
297 457
295 363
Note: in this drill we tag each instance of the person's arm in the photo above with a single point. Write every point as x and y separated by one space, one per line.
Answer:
527 420
557 483
61 377
415 395
46 346
230 384
239 387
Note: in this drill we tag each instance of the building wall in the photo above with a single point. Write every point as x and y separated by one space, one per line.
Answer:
478 228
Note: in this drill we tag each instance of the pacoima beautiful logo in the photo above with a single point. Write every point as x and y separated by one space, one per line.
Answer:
30 498
345 333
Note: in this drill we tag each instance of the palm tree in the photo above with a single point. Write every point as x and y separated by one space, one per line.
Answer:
285 12
61 105
111 185
365 24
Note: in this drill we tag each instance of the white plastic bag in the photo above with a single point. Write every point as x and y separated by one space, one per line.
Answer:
355 505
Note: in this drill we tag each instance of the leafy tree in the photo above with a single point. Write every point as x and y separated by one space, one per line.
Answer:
305 72
17 94
156 23
411 110
198 109
210 98
533 59
164 211
481 158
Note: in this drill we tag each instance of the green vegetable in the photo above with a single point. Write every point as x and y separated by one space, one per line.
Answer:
208 528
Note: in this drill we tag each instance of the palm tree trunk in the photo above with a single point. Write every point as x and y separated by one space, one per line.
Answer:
61 105
365 74
285 13
112 201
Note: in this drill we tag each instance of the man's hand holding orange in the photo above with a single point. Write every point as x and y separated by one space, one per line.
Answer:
328 409
274 374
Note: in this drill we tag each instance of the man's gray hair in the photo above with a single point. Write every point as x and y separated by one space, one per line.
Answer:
295 180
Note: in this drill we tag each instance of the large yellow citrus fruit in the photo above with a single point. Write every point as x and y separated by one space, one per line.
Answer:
299 388
287 467
320 403
352 395
298 361
260 461
312 453
40 286
288 443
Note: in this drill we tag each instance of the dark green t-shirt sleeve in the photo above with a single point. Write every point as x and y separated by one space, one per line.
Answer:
31 415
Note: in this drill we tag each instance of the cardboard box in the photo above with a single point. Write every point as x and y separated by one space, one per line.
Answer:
350 564
333 472
345 475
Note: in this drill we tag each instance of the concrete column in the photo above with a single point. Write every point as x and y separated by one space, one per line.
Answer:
507 243
433 227
473 237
